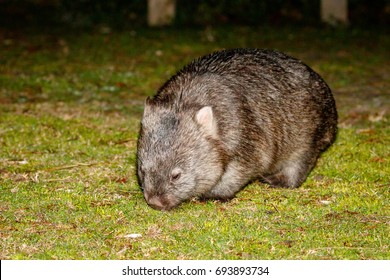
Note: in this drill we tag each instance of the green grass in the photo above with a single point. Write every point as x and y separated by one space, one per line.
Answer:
70 107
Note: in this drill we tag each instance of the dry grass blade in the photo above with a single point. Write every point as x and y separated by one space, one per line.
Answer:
71 166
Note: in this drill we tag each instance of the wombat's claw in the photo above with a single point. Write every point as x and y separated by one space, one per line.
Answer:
278 181
219 199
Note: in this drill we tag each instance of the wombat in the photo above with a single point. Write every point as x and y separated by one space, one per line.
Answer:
229 118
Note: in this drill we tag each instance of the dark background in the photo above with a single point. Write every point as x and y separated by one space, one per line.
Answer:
122 14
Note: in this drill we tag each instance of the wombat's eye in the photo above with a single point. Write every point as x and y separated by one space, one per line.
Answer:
175 174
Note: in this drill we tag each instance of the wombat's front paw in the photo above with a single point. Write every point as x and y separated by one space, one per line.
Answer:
221 199
279 181
215 196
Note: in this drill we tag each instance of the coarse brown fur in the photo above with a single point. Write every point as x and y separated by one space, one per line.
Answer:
231 117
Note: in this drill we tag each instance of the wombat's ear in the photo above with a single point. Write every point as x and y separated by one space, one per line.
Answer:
205 118
148 103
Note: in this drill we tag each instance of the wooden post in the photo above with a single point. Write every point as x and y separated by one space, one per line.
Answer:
334 12
161 12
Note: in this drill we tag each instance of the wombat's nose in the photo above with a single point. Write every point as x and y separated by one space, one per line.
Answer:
155 202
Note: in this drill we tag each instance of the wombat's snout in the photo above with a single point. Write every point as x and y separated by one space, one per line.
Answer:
158 202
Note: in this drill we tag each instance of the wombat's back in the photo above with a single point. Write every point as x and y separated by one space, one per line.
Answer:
265 89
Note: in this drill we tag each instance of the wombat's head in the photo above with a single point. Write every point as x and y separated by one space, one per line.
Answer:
178 155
